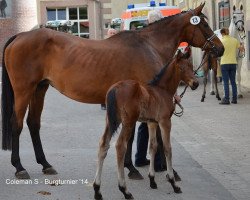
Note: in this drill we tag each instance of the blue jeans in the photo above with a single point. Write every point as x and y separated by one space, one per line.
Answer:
228 73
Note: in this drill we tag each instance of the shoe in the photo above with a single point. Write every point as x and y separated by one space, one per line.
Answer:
144 163
224 102
234 101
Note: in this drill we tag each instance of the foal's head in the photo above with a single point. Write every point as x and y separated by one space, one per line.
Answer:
186 70
199 34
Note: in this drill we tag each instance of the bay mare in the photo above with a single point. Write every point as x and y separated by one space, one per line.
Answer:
210 63
130 101
83 70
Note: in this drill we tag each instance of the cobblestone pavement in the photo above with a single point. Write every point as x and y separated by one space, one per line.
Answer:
210 152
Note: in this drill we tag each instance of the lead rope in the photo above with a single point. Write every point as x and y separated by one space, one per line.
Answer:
180 113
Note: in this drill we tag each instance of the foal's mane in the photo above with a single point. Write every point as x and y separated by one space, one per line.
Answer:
158 76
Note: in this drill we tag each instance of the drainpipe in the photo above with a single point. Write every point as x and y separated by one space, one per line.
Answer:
98 3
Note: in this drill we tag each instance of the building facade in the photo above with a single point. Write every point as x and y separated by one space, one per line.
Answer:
88 17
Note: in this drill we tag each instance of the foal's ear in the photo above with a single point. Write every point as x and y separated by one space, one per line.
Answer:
199 9
179 55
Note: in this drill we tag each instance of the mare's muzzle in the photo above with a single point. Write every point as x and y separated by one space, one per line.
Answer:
217 51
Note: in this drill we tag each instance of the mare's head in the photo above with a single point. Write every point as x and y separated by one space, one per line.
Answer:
238 20
199 34
186 70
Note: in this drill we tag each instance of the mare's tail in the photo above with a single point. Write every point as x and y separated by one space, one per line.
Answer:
113 120
7 103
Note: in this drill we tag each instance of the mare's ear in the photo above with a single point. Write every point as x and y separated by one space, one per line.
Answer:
234 8
198 10
241 7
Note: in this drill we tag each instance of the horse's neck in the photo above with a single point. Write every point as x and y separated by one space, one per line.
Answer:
170 80
232 30
164 38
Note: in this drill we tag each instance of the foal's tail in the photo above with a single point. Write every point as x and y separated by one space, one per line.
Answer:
7 103
113 121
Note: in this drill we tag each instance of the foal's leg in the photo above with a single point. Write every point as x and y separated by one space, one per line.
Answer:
34 123
160 148
121 147
21 102
165 133
103 150
152 151
133 172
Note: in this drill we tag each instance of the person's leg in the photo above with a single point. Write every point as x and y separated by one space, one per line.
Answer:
225 78
142 145
232 75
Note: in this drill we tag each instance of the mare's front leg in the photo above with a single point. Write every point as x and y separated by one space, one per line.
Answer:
133 172
121 148
152 151
205 84
212 81
104 145
165 127
215 83
34 124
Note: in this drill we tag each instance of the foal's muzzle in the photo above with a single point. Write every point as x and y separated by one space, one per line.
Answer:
194 85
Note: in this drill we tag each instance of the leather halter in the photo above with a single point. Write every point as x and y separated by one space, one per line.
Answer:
235 23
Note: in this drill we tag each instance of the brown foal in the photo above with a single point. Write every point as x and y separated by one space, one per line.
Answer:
130 101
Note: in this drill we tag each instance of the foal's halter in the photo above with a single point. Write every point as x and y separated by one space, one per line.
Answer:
209 40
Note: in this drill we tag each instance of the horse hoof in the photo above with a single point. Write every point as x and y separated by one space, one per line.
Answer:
176 176
22 175
50 171
135 175
153 185
240 96
129 196
202 100
212 93
98 196
219 99
177 190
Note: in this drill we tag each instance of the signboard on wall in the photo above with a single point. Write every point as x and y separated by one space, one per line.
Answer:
5 9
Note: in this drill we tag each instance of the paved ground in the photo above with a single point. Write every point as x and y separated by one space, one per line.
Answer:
210 152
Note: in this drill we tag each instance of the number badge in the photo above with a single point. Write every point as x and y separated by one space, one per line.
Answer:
195 20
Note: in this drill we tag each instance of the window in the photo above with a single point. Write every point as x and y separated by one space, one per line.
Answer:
224 14
51 14
78 16
56 14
